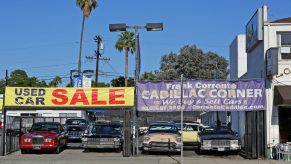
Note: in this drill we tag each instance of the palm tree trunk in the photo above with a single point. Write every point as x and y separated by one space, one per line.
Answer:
126 67
81 44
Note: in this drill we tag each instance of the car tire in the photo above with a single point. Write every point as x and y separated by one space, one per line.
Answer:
57 151
23 151
144 152
65 145
199 151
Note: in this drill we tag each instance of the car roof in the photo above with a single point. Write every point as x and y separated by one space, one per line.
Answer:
48 123
163 123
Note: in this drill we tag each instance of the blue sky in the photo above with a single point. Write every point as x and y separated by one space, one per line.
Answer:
42 37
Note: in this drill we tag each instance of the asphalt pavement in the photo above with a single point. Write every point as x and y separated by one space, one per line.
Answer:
78 156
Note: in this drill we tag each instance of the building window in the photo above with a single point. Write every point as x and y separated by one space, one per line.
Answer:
284 40
68 115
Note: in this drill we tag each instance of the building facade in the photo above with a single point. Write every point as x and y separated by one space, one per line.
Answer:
268 57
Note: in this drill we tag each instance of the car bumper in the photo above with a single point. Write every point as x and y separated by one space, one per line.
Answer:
231 148
38 147
176 148
191 143
115 145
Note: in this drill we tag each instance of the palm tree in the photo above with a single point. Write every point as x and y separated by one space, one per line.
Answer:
55 82
126 42
86 6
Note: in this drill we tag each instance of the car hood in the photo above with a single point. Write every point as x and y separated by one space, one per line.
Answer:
163 137
41 133
76 128
218 136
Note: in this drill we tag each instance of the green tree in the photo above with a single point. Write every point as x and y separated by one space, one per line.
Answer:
120 82
126 42
55 81
100 84
86 6
149 76
19 78
193 63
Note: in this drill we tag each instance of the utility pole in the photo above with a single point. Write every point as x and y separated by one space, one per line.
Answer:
98 40
97 57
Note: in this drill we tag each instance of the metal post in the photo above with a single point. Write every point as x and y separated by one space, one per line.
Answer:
137 69
4 119
182 119
216 77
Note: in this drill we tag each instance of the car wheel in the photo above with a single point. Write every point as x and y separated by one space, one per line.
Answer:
23 151
65 145
57 151
144 152
198 151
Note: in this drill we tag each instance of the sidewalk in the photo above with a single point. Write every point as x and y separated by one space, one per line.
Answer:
218 161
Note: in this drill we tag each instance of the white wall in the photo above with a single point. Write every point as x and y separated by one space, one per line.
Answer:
238 57
46 113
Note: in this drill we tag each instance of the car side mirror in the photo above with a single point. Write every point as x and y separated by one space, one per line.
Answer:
199 133
236 134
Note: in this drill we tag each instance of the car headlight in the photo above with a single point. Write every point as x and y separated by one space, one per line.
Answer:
206 142
116 139
146 138
233 142
84 139
27 139
48 140
178 139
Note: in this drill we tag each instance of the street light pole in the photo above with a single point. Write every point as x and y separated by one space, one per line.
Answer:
216 77
123 27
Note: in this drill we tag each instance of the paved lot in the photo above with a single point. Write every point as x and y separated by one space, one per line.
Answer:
77 156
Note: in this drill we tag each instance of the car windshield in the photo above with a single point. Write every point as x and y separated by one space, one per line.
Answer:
106 129
217 130
76 122
188 127
45 127
163 129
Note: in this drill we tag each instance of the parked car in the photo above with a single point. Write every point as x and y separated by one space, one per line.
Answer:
44 136
75 128
143 130
103 135
190 133
219 138
162 137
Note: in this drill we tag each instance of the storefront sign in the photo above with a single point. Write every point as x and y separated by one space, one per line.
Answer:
69 97
254 31
1 104
199 95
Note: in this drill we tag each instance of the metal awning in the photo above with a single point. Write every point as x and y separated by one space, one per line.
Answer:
282 95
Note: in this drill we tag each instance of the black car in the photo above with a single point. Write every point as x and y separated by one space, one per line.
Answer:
103 135
219 138
75 129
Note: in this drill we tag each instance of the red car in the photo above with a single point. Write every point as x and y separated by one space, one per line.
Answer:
44 136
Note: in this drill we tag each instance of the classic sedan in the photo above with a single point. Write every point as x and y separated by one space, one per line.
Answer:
162 137
220 138
190 133
75 129
103 135
43 136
